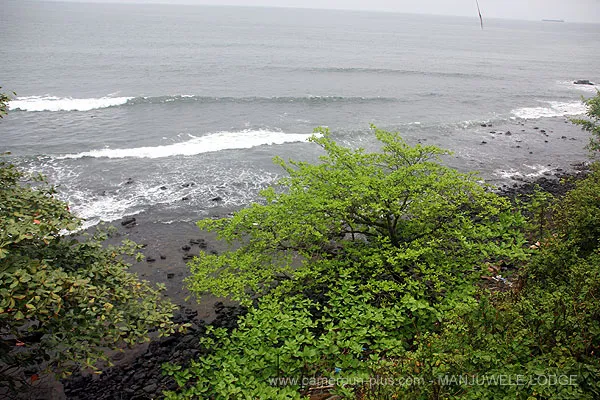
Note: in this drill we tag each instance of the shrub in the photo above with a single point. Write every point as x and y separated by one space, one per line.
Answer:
545 335
344 264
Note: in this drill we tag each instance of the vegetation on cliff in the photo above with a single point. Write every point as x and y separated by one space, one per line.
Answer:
592 122
346 265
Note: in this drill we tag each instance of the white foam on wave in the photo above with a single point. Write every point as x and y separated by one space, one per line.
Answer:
104 209
52 103
550 109
203 144
233 186
535 172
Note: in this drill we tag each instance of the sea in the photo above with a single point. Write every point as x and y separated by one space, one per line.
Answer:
176 112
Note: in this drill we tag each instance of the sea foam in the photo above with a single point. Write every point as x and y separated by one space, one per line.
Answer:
550 109
244 139
52 103
535 171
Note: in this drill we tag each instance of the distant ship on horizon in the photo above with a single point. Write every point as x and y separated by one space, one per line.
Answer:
553 20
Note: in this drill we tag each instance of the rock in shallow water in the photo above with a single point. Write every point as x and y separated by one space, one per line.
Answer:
583 82
128 222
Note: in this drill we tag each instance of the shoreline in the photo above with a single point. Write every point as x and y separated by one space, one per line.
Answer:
167 247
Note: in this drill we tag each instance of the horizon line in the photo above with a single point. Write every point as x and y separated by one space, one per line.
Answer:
386 11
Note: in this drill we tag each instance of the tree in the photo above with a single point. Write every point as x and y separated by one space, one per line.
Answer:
592 124
399 205
63 301
343 264
543 337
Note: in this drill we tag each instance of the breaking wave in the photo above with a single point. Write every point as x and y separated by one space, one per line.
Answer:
199 144
53 104
531 172
550 109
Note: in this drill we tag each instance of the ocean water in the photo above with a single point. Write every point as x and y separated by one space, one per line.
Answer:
161 109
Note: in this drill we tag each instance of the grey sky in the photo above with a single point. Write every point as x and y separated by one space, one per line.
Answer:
570 10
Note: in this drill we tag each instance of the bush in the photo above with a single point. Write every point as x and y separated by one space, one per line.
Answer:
345 264
399 213
545 335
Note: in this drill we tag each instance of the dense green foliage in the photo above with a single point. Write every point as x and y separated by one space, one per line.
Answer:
361 276
347 264
61 299
592 124
396 214
545 335
63 302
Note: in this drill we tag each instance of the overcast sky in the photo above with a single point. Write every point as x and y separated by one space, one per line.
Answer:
570 10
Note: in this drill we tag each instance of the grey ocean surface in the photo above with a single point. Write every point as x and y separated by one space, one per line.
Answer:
132 108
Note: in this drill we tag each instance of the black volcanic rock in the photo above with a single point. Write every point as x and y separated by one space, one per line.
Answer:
128 222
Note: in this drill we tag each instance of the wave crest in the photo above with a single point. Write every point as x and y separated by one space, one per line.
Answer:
52 103
396 71
553 109
199 144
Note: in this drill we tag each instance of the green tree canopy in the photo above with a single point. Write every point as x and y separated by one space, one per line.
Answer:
345 263
398 211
